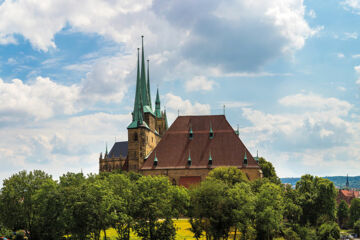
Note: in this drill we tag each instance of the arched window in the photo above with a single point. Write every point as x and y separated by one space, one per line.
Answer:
135 137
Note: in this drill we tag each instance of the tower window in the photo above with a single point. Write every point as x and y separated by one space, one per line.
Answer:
135 137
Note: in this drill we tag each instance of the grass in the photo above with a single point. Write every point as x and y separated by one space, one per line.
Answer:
182 231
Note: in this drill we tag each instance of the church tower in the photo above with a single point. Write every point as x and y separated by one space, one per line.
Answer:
143 131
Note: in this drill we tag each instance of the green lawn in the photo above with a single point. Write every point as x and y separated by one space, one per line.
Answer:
182 231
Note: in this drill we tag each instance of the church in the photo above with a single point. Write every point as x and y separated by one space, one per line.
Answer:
186 151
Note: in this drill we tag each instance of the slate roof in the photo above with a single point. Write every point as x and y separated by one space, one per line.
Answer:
119 149
173 150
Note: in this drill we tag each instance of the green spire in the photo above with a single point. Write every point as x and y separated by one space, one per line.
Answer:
137 115
106 151
148 84
143 84
210 158
245 159
155 160
189 159
211 134
257 156
157 105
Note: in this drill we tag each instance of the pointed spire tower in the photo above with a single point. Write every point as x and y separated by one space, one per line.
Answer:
157 105
148 84
144 87
137 114
347 181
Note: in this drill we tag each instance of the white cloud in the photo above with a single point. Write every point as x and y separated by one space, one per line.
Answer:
39 99
350 35
175 31
312 13
352 5
340 55
199 83
318 138
356 56
341 88
176 104
357 70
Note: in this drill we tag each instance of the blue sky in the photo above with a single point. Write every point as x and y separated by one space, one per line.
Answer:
287 71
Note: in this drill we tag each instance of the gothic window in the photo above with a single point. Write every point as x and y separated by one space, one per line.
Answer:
135 137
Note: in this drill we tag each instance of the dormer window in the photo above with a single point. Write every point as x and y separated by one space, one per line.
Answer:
245 162
189 160
210 159
211 133
191 134
155 160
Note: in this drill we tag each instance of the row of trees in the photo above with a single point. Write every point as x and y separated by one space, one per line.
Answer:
225 204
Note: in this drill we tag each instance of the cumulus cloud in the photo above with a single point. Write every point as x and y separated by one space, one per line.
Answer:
181 30
357 70
318 134
39 99
352 5
340 55
199 83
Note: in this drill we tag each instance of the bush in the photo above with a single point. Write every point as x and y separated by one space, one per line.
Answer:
329 231
357 227
19 235
289 234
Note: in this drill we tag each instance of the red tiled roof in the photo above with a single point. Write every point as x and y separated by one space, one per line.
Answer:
350 193
173 150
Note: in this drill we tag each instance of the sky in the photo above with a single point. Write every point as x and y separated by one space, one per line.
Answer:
287 71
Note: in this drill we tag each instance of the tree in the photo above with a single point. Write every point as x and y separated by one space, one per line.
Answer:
342 213
18 209
354 210
48 207
154 200
357 227
268 170
122 186
216 207
317 200
269 208
329 231
228 175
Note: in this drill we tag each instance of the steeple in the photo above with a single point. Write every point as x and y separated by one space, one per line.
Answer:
148 84
137 114
245 159
157 105
347 181
143 84
106 151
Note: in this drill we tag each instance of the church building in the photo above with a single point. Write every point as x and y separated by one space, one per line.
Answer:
185 152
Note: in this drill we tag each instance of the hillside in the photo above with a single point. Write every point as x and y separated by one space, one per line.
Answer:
339 181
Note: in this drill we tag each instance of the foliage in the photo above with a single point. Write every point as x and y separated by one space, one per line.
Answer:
18 206
5 232
268 170
342 213
228 175
329 231
357 227
354 210
162 201
317 199
269 211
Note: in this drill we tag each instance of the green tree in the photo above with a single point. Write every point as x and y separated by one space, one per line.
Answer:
329 231
268 170
122 186
269 208
357 227
48 207
18 209
342 213
354 210
155 198
317 198
228 175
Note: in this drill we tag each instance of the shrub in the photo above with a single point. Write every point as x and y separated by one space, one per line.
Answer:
329 231
357 227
